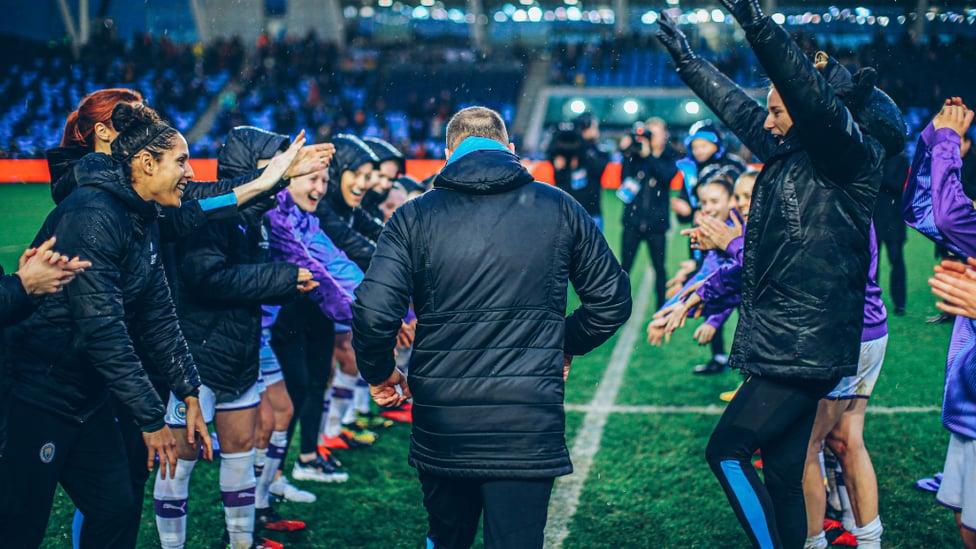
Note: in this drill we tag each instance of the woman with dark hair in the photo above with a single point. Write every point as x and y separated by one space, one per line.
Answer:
80 345
822 137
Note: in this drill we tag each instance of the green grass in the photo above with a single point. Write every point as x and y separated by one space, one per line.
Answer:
649 486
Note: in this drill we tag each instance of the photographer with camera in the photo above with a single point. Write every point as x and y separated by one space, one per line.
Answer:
578 162
649 165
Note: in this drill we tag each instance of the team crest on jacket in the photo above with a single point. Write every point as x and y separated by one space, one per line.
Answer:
47 453
180 411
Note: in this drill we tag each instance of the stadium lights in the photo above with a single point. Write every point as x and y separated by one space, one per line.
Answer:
570 2
778 18
692 107
649 18
577 106
427 3
718 16
631 107
574 14
385 3
520 16
535 14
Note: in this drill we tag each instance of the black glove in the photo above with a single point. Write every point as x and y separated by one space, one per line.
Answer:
674 40
746 12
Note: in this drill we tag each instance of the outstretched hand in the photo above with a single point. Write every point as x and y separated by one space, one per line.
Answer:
746 12
955 284
955 116
281 164
311 158
673 39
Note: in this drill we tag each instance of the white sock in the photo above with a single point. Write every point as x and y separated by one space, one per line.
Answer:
275 451
869 535
816 542
259 460
361 398
237 491
847 518
343 386
170 499
721 359
326 406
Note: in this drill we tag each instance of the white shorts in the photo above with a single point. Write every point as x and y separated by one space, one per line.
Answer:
861 384
958 488
270 368
210 404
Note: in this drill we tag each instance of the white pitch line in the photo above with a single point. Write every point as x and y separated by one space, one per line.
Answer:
712 409
566 493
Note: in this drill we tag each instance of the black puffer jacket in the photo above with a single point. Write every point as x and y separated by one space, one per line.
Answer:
226 275
225 279
806 252
352 230
83 342
486 257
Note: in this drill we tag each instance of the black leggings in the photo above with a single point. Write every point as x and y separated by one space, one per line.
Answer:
302 340
776 416
655 248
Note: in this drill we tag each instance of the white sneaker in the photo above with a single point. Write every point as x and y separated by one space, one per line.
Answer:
284 489
318 470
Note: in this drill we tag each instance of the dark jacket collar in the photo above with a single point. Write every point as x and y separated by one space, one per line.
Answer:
104 173
484 172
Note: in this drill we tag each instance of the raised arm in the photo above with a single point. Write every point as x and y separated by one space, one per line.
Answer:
934 201
740 112
820 119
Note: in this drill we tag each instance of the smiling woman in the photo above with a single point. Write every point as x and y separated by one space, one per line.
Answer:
152 153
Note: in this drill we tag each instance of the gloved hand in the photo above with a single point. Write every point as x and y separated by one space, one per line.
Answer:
674 40
746 12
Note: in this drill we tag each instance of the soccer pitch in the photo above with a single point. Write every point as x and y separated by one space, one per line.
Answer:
637 422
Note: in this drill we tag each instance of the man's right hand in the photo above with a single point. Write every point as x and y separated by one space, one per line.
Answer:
161 443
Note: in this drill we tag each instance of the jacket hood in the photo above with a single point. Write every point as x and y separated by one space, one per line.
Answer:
105 173
484 172
244 146
350 154
384 150
60 162
873 110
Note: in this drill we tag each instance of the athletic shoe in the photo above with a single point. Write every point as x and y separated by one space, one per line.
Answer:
260 543
283 490
727 396
330 457
358 437
837 536
372 420
940 318
318 470
269 519
711 367
400 414
332 443
930 484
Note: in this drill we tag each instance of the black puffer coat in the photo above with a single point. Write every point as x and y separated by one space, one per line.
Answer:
82 343
486 257
806 252
352 230
226 275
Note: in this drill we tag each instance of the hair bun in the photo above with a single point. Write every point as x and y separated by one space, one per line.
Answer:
126 117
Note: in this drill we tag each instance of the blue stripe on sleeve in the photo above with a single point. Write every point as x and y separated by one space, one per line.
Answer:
217 202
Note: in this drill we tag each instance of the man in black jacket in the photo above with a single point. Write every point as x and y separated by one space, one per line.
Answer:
890 227
486 256
805 259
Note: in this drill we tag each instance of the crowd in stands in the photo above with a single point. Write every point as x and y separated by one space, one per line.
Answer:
38 89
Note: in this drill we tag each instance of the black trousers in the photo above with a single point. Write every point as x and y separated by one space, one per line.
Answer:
895 244
515 511
87 459
775 416
303 340
656 247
